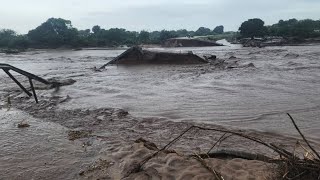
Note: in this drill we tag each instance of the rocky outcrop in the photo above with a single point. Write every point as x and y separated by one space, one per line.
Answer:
189 42
137 55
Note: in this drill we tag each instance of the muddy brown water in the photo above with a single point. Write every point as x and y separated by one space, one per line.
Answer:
286 79
255 98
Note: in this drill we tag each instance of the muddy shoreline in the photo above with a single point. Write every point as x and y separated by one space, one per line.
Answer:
99 135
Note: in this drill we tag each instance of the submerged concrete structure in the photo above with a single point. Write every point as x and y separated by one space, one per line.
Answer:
136 55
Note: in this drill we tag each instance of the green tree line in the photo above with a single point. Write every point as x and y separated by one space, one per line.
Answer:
306 28
58 32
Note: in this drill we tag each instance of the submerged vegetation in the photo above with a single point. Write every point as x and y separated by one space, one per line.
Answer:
58 32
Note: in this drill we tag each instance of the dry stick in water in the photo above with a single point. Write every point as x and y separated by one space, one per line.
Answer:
283 150
217 174
138 168
306 150
305 140
290 157
8 103
244 136
165 147
176 139
218 130
217 142
222 138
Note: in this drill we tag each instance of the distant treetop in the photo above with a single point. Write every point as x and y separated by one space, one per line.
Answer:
252 28
218 29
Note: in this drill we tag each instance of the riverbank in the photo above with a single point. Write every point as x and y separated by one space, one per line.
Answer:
104 143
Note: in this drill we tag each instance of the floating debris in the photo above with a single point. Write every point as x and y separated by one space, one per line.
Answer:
74 135
23 124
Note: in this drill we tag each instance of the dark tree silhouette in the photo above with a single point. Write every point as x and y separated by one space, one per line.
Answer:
203 31
252 28
218 29
54 32
96 29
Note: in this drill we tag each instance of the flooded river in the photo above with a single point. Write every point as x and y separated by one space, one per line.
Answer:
286 79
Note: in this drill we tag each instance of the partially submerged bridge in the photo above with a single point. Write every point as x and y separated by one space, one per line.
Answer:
7 68
136 56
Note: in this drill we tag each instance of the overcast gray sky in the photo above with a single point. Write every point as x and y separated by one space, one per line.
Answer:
23 15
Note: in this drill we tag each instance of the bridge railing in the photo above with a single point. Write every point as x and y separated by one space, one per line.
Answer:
7 68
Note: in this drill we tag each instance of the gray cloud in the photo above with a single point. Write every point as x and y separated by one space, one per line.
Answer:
24 15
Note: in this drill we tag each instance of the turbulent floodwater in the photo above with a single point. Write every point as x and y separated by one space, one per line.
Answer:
286 79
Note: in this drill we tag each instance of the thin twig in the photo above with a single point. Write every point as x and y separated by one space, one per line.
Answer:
304 148
295 164
305 140
244 136
217 142
9 104
216 173
298 175
165 147
218 130
288 154
225 139
176 139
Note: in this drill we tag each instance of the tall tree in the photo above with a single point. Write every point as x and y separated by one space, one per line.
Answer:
183 33
144 37
84 33
54 32
252 28
96 29
164 35
203 31
218 29
6 36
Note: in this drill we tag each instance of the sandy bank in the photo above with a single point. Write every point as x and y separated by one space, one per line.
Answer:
100 143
